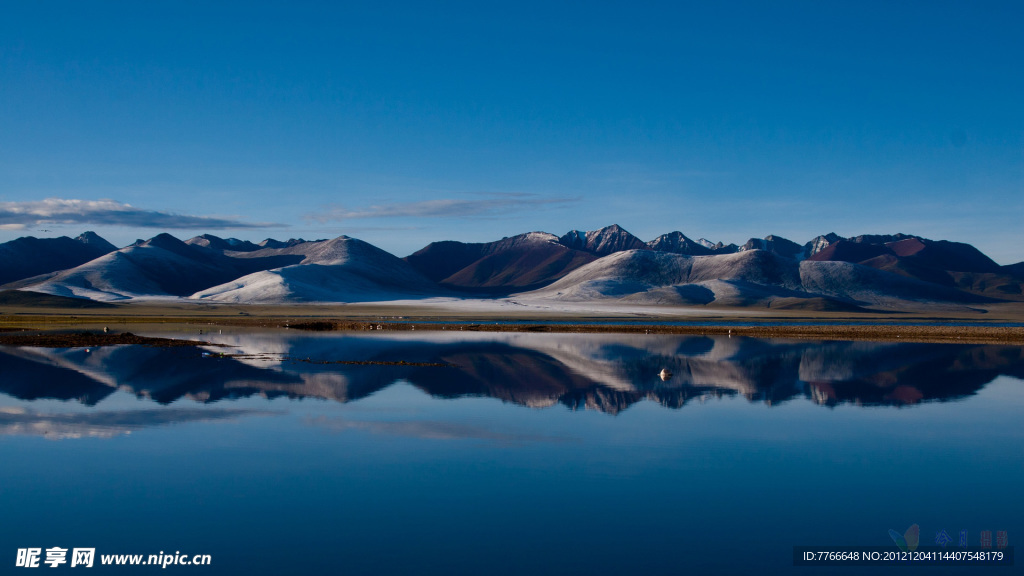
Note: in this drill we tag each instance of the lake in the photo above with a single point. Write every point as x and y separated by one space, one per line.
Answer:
451 452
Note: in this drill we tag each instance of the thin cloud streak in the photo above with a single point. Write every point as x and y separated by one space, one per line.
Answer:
429 430
497 204
55 211
16 421
353 229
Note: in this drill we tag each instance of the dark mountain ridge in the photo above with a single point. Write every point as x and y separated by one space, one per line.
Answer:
29 256
603 242
518 263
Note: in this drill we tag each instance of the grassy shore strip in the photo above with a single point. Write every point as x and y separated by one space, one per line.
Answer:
972 334
92 340
763 327
948 334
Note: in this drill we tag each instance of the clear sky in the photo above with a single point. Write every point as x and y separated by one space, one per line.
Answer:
403 123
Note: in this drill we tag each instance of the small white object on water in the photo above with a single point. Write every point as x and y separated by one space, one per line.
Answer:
105 329
665 374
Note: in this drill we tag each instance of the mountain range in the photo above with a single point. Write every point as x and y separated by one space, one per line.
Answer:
610 265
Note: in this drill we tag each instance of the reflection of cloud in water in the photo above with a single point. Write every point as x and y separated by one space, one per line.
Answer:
430 430
60 426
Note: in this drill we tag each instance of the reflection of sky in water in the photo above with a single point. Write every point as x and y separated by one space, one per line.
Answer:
400 481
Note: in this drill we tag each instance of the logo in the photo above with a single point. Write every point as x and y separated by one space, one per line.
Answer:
909 540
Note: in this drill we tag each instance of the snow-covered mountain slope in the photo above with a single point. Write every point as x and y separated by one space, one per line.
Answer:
867 285
637 270
119 275
748 278
222 244
162 266
340 270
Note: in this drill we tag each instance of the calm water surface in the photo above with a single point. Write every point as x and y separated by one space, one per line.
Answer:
516 453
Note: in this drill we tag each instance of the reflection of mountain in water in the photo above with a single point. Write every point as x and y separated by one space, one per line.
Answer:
602 372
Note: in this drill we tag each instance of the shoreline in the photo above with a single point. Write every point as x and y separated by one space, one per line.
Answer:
90 333
950 327
944 334
92 339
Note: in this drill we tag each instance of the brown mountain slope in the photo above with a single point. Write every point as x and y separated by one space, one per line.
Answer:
518 263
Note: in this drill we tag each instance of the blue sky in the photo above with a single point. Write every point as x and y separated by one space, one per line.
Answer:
405 123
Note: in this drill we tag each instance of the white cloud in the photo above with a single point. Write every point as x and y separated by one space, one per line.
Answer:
18 215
